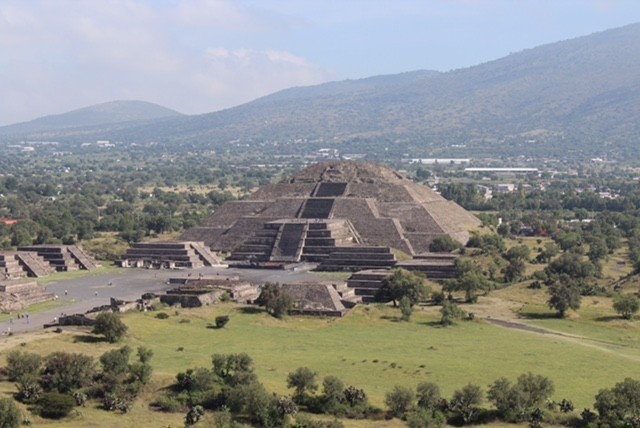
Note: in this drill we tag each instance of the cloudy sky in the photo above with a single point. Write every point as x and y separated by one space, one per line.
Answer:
198 56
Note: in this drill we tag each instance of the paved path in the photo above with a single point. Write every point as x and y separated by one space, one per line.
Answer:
81 294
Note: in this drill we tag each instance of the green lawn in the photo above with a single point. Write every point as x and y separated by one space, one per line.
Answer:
368 348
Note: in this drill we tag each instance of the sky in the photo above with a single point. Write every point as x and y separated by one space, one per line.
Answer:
200 56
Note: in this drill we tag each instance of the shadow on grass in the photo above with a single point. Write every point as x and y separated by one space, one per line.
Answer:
538 315
83 338
214 327
608 318
251 310
432 324
391 318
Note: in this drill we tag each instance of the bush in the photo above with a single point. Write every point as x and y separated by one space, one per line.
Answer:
10 416
221 321
54 405
162 315
168 404
20 364
110 326
399 401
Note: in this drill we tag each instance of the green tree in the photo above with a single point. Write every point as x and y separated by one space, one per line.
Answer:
110 326
302 380
66 372
619 404
428 395
514 271
54 405
401 283
116 362
516 402
465 402
275 300
450 312
406 309
10 416
564 295
444 244
21 364
626 305
399 400
332 394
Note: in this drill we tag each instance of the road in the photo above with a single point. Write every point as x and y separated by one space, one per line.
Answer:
81 294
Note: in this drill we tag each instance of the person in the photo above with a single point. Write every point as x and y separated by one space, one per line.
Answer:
95 293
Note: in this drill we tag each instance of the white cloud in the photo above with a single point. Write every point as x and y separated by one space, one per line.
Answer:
58 56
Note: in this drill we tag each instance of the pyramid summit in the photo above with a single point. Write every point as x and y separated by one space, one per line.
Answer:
333 205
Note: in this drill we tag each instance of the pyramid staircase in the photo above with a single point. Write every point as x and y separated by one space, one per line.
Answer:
57 256
33 264
358 258
187 254
82 259
366 283
18 294
10 267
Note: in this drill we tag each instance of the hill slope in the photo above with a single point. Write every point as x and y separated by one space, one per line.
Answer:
110 113
581 94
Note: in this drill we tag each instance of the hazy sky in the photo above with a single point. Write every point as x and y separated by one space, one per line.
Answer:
198 56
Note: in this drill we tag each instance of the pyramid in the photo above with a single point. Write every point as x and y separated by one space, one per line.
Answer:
333 205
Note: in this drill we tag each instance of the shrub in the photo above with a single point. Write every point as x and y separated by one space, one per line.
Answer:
399 401
20 364
162 315
54 405
221 321
168 404
10 416
110 326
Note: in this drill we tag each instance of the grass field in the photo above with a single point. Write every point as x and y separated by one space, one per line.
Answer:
368 348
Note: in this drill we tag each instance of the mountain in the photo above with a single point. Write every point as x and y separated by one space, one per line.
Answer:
105 114
577 96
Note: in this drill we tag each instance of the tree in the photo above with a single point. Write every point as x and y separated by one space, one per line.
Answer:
221 321
444 244
193 415
514 271
465 402
66 372
402 283
302 380
116 362
110 326
470 282
399 401
10 416
626 305
54 405
332 394
428 395
450 312
275 300
519 252
516 402
406 308
564 295
21 364
620 403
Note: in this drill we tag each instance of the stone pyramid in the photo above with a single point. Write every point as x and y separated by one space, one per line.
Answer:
329 205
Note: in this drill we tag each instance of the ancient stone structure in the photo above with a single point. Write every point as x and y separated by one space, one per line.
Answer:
365 283
330 206
19 264
199 291
188 254
315 299
18 294
63 257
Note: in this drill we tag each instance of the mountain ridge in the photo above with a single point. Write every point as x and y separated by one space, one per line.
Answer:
579 91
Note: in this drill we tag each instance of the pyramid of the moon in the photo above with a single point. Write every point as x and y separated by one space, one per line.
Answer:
329 205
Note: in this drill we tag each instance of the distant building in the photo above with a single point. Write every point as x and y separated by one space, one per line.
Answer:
504 170
440 161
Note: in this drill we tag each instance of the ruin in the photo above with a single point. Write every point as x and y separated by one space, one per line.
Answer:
181 254
324 212
315 299
19 264
62 258
17 294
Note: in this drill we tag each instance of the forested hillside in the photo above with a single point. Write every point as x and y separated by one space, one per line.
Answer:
580 95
